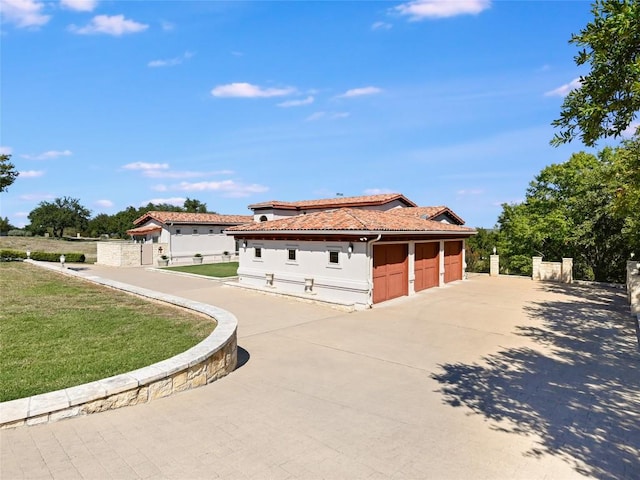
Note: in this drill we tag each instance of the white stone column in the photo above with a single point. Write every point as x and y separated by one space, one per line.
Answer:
537 263
412 268
567 270
633 286
441 264
494 265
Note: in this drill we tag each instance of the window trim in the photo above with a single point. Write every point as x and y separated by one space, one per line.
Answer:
337 250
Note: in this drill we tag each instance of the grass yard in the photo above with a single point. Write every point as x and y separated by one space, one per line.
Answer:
227 269
54 245
57 331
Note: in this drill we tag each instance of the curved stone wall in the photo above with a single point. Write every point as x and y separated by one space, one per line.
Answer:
213 358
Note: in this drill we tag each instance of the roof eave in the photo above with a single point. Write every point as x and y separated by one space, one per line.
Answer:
350 232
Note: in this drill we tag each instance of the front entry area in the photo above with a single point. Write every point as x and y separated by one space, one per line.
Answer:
427 265
390 272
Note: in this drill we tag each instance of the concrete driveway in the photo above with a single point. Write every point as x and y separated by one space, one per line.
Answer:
488 378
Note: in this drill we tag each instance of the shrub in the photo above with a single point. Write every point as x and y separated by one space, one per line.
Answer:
9 255
19 233
55 257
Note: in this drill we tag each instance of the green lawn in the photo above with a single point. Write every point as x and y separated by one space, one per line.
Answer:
228 269
57 331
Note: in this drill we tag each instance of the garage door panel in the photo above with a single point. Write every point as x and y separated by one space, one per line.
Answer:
452 261
427 265
390 275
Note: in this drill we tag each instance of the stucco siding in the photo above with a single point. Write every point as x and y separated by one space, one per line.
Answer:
346 282
185 244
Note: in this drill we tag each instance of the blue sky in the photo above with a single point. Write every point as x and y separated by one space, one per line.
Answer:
120 103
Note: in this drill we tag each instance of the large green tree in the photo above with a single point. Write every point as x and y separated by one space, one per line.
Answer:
8 172
62 213
194 206
570 211
608 98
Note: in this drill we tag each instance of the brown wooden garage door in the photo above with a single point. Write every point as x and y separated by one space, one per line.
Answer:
452 261
427 265
390 272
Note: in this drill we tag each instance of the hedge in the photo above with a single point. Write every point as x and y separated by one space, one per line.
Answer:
12 254
42 256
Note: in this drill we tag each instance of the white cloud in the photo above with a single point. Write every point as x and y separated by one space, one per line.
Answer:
377 191
316 116
381 26
228 188
171 62
176 201
145 166
115 25
21 214
472 191
31 173
563 90
247 90
422 9
104 203
167 26
358 92
297 103
5 150
49 155
160 188
23 13
329 115
36 197
183 174
80 5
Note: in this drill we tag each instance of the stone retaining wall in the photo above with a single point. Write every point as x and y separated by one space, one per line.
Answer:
213 358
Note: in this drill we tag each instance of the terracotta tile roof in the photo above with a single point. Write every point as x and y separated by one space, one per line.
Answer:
144 230
351 219
367 200
194 218
428 212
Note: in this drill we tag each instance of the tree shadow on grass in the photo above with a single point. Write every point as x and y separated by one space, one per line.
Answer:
580 392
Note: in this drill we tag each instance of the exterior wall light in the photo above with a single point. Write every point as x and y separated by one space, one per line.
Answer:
28 254
244 244
350 248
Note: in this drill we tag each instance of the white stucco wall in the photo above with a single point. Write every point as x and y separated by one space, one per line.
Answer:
345 282
183 245
210 242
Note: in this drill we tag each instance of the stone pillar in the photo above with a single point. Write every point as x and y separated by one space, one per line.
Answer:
537 263
494 265
567 270
633 286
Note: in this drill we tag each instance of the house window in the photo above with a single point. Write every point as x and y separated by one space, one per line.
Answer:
292 254
258 252
195 231
178 231
263 218
211 231
334 257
